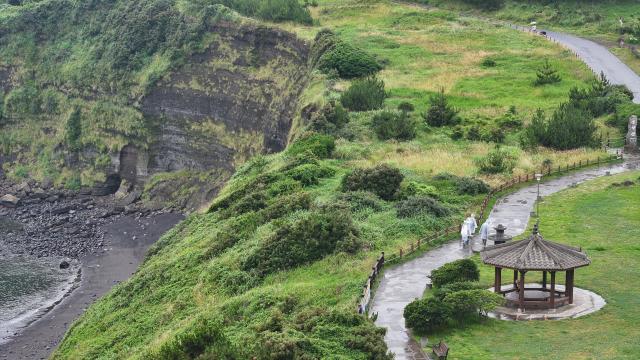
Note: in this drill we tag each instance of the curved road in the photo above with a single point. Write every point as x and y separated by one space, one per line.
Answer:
404 283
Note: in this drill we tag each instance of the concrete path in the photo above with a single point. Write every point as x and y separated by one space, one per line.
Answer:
600 59
406 282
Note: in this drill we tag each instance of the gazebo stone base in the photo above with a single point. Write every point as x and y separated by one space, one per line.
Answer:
585 302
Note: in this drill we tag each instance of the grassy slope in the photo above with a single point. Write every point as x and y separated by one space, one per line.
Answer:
425 50
604 221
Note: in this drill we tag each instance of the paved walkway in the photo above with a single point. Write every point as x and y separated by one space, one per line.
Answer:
404 283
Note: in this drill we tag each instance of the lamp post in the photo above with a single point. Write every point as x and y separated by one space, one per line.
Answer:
538 178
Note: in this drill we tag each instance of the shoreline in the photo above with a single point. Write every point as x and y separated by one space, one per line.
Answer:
127 239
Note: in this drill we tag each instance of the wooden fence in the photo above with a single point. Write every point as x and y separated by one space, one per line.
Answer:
365 299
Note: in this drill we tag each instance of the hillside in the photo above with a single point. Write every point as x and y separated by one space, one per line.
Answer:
273 269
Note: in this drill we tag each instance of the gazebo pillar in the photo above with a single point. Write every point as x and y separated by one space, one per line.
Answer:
497 280
568 285
544 279
515 279
521 290
552 294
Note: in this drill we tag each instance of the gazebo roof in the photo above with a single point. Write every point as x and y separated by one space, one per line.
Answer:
534 253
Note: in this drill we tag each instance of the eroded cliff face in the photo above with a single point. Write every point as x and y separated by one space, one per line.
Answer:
235 100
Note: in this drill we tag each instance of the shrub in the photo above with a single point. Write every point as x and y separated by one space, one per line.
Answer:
321 146
498 160
471 304
391 125
510 119
364 95
440 113
456 271
361 200
284 205
473 133
493 134
304 239
382 180
406 107
331 118
457 133
413 188
601 98
282 10
417 205
349 61
471 186
203 335
426 315
310 174
73 130
447 289
570 127
488 5
283 187
488 62
547 74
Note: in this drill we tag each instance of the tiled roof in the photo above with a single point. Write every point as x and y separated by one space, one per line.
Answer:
534 253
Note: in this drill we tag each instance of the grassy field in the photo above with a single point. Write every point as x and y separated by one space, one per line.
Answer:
603 220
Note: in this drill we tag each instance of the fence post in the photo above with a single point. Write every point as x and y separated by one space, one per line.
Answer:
419 242
558 168
400 252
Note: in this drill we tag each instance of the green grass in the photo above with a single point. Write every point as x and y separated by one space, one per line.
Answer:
603 220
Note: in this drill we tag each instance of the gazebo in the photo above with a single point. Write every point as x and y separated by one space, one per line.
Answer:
535 254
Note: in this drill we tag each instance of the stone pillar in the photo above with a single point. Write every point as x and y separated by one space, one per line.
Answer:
552 294
569 285
544 279
497 281
632 137
521 290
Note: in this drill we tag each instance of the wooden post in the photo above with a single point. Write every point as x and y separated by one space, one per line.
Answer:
569 285
515 279
544 279
497 280
521 290
552 297
400 252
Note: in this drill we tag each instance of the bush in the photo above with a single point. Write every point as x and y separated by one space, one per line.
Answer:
488 5
310 174
457 133
498 160
441 292
391 125
547 74
471 186
361 200
488 62
418 205
406 107
282 10
440 113
73 130
202 335
321 146
471 304
456 271
284 205
331 118
304 239
570 127
426 315
349 61
364 95
473 133
413 188
382 180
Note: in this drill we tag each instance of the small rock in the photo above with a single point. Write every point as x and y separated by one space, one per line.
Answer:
64 264
9 200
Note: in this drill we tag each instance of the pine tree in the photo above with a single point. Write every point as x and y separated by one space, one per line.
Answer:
440 113
547 74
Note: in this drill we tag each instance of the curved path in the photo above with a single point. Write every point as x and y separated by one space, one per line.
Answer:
403 283
600 59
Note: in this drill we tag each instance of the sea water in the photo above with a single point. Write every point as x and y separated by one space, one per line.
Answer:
28 288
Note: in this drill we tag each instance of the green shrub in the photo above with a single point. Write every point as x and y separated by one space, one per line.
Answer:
310 174
471 304
440 113
456 271
406 107
471 186
281 10
457 133
382 180
488 5
488 62
473 133
493 134
418 205
447 289
510 120
349 61
283 187
498 160
364 95
391 125
204 335
73 130
601 98
304 239
413 188
361 200
547 74
321 146
253 201
331 118
426 315
283 205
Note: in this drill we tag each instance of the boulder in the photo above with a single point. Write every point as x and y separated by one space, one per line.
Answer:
64 265
9 200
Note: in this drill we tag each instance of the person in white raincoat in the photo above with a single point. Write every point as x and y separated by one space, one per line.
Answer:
464 234
472 224
484 232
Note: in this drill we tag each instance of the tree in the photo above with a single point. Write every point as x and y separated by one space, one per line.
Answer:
391 125
440 113
547 74
364 95
73 129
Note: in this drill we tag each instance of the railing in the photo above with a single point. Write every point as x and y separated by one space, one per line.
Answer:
364 300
